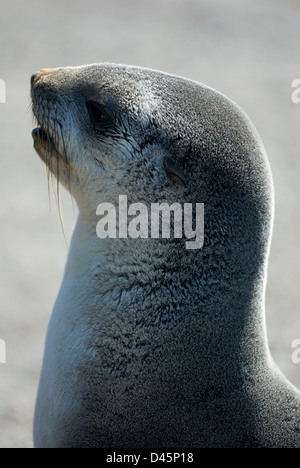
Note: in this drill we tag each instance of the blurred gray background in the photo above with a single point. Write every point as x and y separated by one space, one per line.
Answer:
247 49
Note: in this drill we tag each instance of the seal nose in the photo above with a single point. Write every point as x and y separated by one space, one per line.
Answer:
36 76
33 77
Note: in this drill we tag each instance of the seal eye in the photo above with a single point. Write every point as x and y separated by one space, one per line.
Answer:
99 115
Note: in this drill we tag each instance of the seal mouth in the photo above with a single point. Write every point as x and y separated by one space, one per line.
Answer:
43 134
48 140
39 133
47 145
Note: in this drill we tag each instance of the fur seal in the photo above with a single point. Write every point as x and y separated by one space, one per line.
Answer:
150 344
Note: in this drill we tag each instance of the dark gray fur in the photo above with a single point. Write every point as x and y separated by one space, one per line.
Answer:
168 346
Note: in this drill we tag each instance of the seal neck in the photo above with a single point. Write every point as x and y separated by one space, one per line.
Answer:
163 289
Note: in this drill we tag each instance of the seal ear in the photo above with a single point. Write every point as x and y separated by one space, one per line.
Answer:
174 171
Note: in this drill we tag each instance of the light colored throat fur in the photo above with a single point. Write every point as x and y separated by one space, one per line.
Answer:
119 272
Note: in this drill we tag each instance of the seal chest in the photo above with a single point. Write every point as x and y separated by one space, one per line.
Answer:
150 343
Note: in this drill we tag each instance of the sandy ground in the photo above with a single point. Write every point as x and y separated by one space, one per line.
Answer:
248 49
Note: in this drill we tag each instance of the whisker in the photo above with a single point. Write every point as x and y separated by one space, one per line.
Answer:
44 118
56 138
68 168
